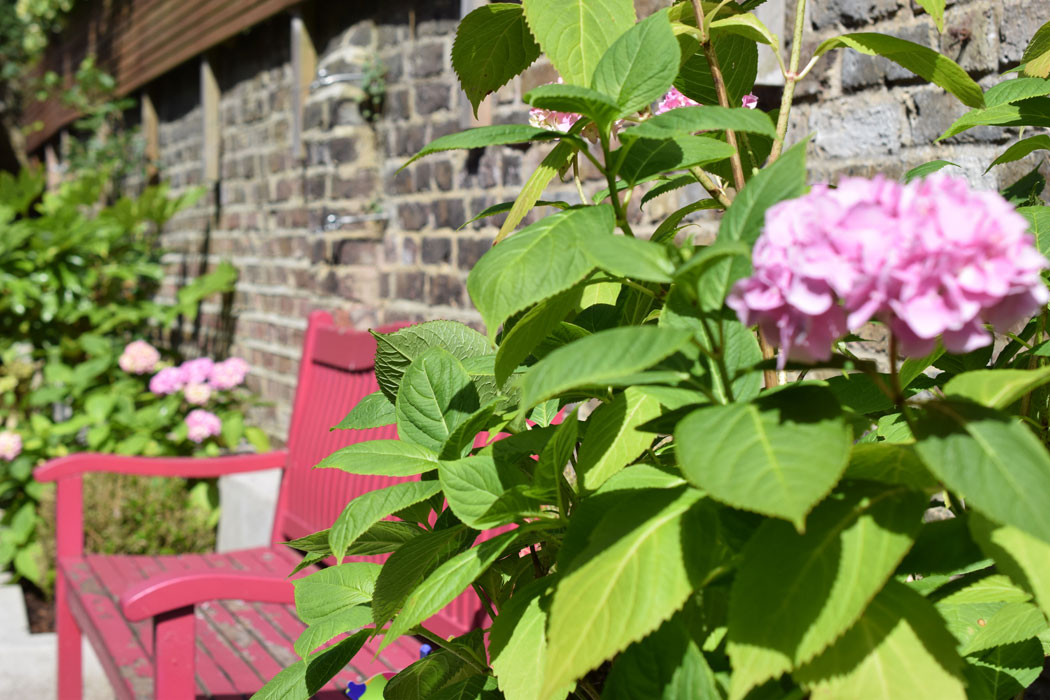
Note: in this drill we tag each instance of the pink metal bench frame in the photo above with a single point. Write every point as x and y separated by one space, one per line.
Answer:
169 598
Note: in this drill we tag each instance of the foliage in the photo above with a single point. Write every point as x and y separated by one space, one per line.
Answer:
79 279
713 528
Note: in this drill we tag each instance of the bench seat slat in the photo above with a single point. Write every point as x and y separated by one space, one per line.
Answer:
240 645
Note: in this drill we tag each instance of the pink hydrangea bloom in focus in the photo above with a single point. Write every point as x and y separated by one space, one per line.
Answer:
139 357
167 381
197 394
228 373
673 100
202 425
930 259
10 445
749 101
197 371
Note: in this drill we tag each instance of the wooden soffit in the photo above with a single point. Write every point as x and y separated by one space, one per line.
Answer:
137 41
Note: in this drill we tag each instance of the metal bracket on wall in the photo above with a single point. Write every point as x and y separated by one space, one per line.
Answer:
324 79
333 222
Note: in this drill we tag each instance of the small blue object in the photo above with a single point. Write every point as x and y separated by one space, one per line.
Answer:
355 691
425 650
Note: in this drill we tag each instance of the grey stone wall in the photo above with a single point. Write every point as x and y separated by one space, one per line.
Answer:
403 255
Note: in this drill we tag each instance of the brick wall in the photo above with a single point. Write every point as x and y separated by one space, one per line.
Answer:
402 256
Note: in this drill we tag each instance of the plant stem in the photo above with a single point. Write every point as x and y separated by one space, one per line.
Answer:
576 178
614 194
895 378
712 188
791 79
723 99
589 690
484 598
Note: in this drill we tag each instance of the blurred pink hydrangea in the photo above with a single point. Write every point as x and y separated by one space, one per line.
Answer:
228 373
552 121
673 100
197 371
202 425
197 394
930 259
749 101
10 445
167 381
139 357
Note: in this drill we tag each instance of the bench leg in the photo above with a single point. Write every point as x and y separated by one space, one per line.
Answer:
174 643
70 674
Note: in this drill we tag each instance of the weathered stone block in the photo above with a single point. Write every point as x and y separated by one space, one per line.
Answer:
410 285
432 97
936 110
412 216
847 130
443 175
971 39
436 251
448 213
1020 20
851 13
429 59
446 290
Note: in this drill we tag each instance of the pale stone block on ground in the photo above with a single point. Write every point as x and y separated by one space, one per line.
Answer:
248 504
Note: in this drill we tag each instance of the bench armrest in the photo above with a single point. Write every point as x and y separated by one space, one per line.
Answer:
179 589
186 467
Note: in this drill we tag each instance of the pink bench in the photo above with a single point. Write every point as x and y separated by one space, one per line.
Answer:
221 625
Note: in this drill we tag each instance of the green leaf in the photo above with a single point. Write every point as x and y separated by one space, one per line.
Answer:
597 106
482 136
924 62
666 665
898 649
446 582
575 34
519 632
396 351
1016 90
484 493
530 193
1030 112
461 440
427 677
1039 225
778 455
373 411
410 564
635 258
645 158
260 441
613 438
921 171
996 388
1025 559
746 25
504 208
889 463
598 360
334 589
382 458
631 577
538 262
738 58
493 44
640 66
689 120
796 593
1004 672
531 330
435 396
993 461
1012 623
935 8
1021 149
550 466
1036 58
327 628
305 678
371 507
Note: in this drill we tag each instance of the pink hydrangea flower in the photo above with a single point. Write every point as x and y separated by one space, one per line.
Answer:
167 381
228 373
197 371
139 357
202 425
197 394
552 121
10 445
749 101
930 259
673 100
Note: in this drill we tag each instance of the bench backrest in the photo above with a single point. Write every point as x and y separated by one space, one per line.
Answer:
335 373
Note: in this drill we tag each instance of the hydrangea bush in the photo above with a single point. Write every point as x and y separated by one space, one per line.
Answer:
665 472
